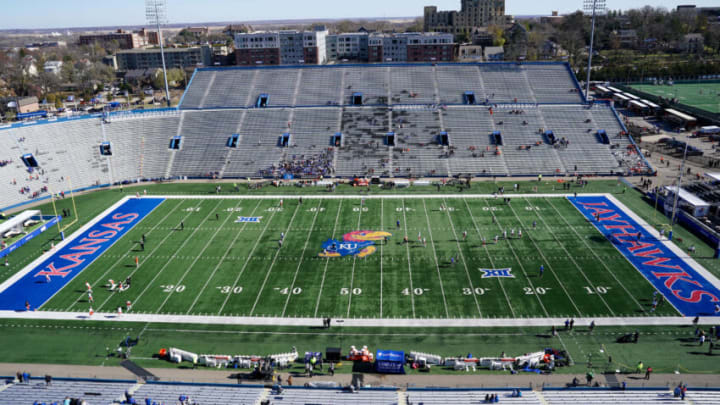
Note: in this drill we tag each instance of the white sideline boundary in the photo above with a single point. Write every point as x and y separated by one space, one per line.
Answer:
363 322
351 322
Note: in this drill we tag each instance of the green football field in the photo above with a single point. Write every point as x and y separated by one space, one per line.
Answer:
705 96
217 266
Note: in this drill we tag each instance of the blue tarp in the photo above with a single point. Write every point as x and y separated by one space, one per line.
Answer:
390 362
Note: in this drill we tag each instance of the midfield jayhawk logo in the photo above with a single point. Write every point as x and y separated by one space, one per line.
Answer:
357 243
497 273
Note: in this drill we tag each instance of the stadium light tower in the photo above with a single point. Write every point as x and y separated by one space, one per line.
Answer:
595 7
156 13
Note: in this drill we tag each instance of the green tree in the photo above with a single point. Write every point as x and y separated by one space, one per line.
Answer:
175 78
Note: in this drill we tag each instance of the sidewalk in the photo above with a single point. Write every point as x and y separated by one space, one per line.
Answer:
502 379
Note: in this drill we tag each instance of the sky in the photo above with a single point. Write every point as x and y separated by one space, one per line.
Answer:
94 13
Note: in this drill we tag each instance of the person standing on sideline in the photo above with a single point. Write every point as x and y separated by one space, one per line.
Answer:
648 371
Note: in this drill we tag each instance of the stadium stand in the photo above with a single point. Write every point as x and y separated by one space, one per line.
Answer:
96 391
605 396
206 394
416 102
301 396
699 397
459 396
93 391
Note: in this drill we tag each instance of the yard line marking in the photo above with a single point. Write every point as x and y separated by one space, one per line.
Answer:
457 241
382 227
546 261
517 259
327 261
121 257
352 273
572 259
217 266
173 256
302 255
407 247
437 265
249 257
187 270
597 257
267 275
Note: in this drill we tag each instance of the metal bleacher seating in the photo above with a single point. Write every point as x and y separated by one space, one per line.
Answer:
364 151
301 396
414 85
700 397
205 135
210 394
94 392
615 397
439 397
454 81
551 83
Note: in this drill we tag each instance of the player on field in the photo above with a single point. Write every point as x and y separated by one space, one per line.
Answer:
182 225
542 270
89 287
217 216
419 237
281 203
505 234
280 242
424 242
143 238
496 239
137 261
47 278
717 309
90 298
534 224
520 233
397 223
483 241
512 233
464 235
128 305
282 235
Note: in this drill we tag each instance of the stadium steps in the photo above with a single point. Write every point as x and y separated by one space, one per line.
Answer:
207 90
264 395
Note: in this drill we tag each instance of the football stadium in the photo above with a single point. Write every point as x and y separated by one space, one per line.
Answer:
473 219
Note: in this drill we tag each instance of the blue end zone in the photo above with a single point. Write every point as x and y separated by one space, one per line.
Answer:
73 258
682 285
